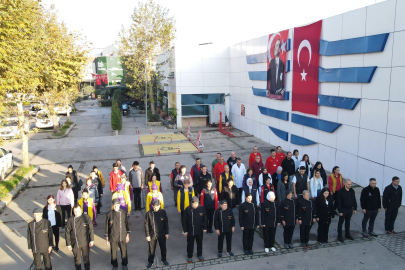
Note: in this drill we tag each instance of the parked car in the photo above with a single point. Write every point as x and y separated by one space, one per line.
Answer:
36 106
59 109
43 120
6 162
10 129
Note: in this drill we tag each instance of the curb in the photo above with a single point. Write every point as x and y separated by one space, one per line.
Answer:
63 136
15 191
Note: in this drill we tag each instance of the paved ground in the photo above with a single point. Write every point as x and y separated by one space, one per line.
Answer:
91 143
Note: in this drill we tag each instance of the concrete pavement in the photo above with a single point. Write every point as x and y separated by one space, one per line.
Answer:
91 143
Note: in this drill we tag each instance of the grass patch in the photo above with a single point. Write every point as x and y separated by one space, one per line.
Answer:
63 129
7 186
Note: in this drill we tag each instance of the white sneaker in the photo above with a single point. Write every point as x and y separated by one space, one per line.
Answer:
266 250
273 249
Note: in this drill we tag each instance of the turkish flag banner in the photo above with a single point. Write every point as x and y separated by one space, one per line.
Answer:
98 79
306 68
105 78
276 59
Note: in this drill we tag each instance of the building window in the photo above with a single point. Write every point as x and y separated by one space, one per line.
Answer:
194 110
202 99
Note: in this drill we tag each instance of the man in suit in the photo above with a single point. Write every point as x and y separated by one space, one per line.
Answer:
275 73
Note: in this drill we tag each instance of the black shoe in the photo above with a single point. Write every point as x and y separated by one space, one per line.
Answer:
230 254
246 252
56 249
286 246
348 236
291 246
251 252
165 263
372 234
306 244
220 255
125 267
303 245
341 239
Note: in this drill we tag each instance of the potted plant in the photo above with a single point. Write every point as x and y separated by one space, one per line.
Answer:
173 116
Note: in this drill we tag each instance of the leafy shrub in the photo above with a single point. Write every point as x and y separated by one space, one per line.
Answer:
118 97
78 99
153 117
85 97
88 90
116 120
106 103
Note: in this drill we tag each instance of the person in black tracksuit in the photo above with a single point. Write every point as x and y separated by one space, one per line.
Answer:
270 210
209 199
117 234
306 217
202 179
248 222
288 214
224 223
40 240
76 181
392 200
194 226
325 212
370 202
79 236
156 230
346 206
231 194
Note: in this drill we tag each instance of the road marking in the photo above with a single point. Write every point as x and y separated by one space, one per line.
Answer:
162 137
169 148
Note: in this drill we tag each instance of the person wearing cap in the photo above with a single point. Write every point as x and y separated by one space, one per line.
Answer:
231 194
209 199
184 196
306 217
194 226
152 196
248 222
156 230
123 199
40 240
300 182
79 235
270 211
115 178
250 188
288 215
88 207
224 223
117 234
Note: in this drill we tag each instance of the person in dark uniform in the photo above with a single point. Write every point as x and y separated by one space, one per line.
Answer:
40 240
325 213
231 194
209 199
270 210
346 206
370 202
117 234
248 222
306 217
173 176
202 179
79 237
194 225
300 183
76 181
392 199
156 230
224 223
288 218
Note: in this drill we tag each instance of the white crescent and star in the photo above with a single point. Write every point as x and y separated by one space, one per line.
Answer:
304 44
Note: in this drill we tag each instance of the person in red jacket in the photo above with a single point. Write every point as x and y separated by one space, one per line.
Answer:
272 162
253 155
280 155
266 188
115 178
257 167
219 168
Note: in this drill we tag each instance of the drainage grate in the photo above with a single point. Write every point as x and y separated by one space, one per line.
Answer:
81 167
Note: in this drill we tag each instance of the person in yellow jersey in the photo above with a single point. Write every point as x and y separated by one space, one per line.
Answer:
154 195
127 187
224 178
123 198
153 181
87 205
184 196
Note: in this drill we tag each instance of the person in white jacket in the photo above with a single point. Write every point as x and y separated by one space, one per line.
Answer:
65 199
264 173
238 171
297 159
315 184
252 189
305 162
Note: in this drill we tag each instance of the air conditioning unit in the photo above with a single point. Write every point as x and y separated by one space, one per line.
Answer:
214 113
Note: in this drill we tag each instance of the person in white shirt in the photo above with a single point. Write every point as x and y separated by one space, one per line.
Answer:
265 175
297 159
252 189
315 184
238 171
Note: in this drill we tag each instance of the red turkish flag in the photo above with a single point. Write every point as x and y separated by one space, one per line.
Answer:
98 79
105 78
305 68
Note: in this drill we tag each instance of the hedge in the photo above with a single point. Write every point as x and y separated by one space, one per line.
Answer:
116 120
118 97
105 103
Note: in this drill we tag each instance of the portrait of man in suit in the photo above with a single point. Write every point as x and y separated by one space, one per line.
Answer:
275 74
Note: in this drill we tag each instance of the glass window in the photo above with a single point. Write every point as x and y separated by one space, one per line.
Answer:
200 99
194 110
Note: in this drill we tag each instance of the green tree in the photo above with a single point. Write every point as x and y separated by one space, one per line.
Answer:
151 33
88 90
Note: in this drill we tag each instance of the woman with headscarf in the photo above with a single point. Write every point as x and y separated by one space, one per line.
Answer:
325 213
252 189
53 213
270 211
283 186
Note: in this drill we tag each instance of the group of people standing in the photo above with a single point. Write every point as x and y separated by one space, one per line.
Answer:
285 191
